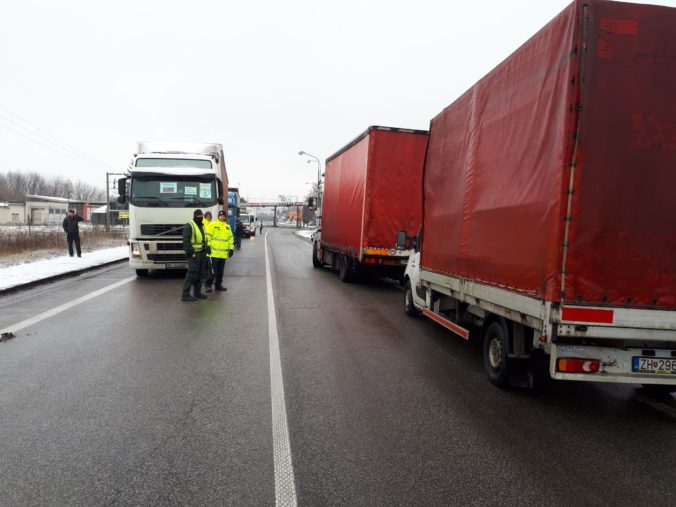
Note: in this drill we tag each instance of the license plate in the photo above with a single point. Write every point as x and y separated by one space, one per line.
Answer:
654 365
175 265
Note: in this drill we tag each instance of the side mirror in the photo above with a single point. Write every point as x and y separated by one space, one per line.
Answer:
401 240
220 201
122 189
312 203
121 199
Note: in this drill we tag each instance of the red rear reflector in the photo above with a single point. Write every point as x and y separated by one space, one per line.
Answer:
593 315
370 260
577 365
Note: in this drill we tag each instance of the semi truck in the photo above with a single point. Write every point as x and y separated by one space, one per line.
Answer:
166 183
371 189
233 207
549 217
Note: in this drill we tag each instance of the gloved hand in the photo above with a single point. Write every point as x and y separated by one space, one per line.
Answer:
231 253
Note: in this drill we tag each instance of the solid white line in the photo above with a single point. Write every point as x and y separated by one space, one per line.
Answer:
50 313
285 489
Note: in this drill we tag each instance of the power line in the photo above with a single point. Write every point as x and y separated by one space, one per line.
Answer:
70 148
44 145
53 146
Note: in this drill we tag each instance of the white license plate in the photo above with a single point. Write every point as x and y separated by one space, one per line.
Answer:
654 365
175 265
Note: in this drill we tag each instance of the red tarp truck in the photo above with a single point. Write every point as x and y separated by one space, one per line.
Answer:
371 190
549 211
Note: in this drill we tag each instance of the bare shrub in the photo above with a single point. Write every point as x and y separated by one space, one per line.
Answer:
29 239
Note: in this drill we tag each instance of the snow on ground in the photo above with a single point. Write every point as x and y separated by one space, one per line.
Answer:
13 276
305 233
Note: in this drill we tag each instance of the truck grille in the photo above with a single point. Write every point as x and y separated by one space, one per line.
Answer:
163 258
170 246
164 229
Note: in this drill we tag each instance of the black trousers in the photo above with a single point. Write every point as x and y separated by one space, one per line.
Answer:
76 240
218 265
195 275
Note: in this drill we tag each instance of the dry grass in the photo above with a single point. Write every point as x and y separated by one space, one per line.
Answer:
23 239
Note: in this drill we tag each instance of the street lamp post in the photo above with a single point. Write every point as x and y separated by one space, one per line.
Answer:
319 182
319 166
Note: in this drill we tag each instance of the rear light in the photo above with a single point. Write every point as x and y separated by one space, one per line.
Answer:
577 365
370 260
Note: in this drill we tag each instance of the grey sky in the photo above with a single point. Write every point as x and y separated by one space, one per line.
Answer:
264 78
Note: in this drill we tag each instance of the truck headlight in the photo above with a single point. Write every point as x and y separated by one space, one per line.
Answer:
135 250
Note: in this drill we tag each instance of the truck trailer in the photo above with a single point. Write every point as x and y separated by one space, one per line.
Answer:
371 190
166 183
233 207
549 216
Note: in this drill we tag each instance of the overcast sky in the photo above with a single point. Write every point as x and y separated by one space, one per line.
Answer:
264 78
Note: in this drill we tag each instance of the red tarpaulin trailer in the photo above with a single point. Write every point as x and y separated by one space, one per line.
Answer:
372 190
563 160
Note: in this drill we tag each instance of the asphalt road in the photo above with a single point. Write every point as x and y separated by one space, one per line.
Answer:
135 398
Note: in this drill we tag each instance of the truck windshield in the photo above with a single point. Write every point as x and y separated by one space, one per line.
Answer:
173 162
173 191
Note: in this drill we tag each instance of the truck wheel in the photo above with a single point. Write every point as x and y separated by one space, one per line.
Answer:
344 272
141 273
409 307
315 257
495 353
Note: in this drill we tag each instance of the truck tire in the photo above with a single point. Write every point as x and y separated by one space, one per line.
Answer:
409 307
315 257
141 273
344 271
495 353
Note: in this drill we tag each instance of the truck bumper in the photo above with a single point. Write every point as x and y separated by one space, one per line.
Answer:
615 365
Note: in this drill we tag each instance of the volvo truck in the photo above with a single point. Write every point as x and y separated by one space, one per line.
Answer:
165 184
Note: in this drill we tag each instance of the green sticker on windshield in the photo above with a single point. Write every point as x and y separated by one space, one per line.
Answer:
190 190
205 190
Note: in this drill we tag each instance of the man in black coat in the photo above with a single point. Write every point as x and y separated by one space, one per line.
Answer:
72 231
196 249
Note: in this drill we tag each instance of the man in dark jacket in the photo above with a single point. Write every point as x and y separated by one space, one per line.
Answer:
196 249
239 233
72 231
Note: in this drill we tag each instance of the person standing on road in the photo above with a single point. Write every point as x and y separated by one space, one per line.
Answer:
221 243
209 272
71 228
260 227
239 233
196 248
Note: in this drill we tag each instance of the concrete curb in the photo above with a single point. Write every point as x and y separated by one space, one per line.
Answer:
60 276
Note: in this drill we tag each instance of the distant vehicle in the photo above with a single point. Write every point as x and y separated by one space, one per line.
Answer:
166 183
248 223
549 213
233 207
371 190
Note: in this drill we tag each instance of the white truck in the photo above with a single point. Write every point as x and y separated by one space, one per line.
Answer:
166 182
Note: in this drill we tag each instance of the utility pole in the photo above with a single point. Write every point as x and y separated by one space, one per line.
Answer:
107 202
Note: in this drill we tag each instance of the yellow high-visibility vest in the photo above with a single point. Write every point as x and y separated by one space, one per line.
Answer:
220 239
197 239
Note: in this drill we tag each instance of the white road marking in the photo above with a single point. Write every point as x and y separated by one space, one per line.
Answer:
285 489
54 311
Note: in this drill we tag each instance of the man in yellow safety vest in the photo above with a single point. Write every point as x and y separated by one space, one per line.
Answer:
196 248
222 244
